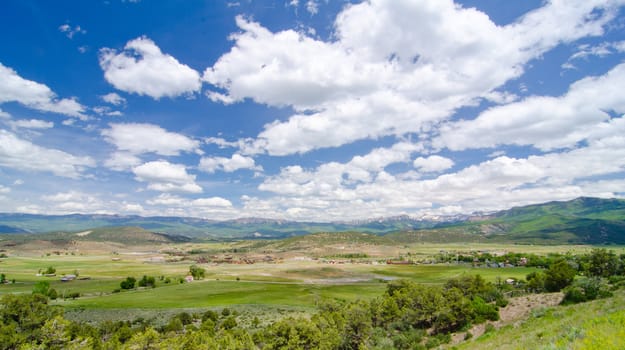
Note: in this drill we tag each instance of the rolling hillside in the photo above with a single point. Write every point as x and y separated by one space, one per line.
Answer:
579 221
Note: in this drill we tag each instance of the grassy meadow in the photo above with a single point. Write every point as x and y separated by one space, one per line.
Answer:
295 282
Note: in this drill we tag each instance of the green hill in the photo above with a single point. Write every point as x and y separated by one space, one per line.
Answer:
579 221
125 235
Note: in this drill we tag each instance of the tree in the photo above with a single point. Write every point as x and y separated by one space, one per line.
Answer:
43 288
586 289
536 281
147 281
197 272
559 275
603 263
128 283
357 327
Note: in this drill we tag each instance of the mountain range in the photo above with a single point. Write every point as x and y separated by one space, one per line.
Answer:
580 221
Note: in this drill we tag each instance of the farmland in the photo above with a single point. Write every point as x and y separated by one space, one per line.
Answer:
296 277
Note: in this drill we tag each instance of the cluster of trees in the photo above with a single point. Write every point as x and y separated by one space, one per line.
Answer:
596 269
131 282
407 316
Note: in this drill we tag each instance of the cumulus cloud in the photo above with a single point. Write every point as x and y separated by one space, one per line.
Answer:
393 68
76 201
137 138
14 88
20 154
166 177
114 99
546 122
234 163
143 69
212 202
340 191
331 180
122 161
432 164
209 207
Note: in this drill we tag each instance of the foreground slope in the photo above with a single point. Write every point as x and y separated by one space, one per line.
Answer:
598 324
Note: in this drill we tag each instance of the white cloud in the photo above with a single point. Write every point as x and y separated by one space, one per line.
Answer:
143 69
212 202
211 207
4 115
327 193
136 138
14 88
234 163
394 67
220 142
331 180
433 164
70 32
23 155
546 122
76 201
31 124
312 7
122 161
4 189
106 110
166 177
167 199
114 99
132 208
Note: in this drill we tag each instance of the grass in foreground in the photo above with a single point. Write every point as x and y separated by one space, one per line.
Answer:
598 324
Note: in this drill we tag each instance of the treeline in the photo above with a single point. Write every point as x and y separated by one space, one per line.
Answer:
407 316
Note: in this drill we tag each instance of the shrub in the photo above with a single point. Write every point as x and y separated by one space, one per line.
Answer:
585 290
147 282
185 318
559 275
210 315
197 272
229 323
128 283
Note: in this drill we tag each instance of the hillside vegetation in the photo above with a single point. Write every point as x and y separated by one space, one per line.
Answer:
580 221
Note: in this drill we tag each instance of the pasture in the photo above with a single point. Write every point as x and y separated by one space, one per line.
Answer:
294 280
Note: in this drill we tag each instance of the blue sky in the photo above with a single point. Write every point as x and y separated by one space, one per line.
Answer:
311 109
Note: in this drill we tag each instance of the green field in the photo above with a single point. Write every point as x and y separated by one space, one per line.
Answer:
292 283
297 281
